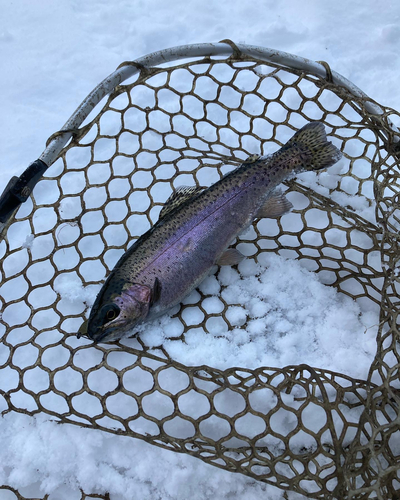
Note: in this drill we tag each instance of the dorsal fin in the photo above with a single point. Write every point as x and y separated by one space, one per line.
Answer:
252 159
181 195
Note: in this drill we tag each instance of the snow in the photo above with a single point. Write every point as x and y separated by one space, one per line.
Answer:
95 461
52 57
277 322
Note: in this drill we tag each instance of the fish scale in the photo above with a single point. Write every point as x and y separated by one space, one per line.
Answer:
193 233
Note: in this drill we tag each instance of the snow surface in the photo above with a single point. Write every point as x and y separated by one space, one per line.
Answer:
53 55
282 315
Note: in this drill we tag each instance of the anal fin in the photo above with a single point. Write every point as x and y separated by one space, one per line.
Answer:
275 206
230 257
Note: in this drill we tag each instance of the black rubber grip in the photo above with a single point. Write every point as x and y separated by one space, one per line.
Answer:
19 188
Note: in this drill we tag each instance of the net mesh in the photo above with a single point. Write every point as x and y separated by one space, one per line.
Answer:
188 124
9 493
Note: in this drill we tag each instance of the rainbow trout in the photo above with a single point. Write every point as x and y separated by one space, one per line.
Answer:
194 231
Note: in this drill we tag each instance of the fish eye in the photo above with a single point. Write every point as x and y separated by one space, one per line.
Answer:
111 314
111 311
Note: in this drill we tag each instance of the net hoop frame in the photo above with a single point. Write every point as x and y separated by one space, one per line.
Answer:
238 53
207 50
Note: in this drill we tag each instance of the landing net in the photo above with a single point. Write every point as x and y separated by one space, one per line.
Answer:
188 123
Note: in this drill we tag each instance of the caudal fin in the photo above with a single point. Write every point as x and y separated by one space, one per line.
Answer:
315 150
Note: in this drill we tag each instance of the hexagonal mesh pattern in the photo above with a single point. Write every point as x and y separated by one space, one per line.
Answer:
189 124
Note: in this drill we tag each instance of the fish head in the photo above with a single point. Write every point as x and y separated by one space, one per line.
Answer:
112 317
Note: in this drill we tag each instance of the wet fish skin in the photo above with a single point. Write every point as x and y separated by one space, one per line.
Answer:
178 252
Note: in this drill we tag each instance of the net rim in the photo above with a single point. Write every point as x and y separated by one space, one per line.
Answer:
226 48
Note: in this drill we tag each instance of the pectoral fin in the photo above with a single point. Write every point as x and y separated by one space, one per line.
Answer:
156 292
230 257
275 206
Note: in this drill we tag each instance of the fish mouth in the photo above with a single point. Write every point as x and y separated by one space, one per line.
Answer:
106 335
100 334
99 337
110 334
